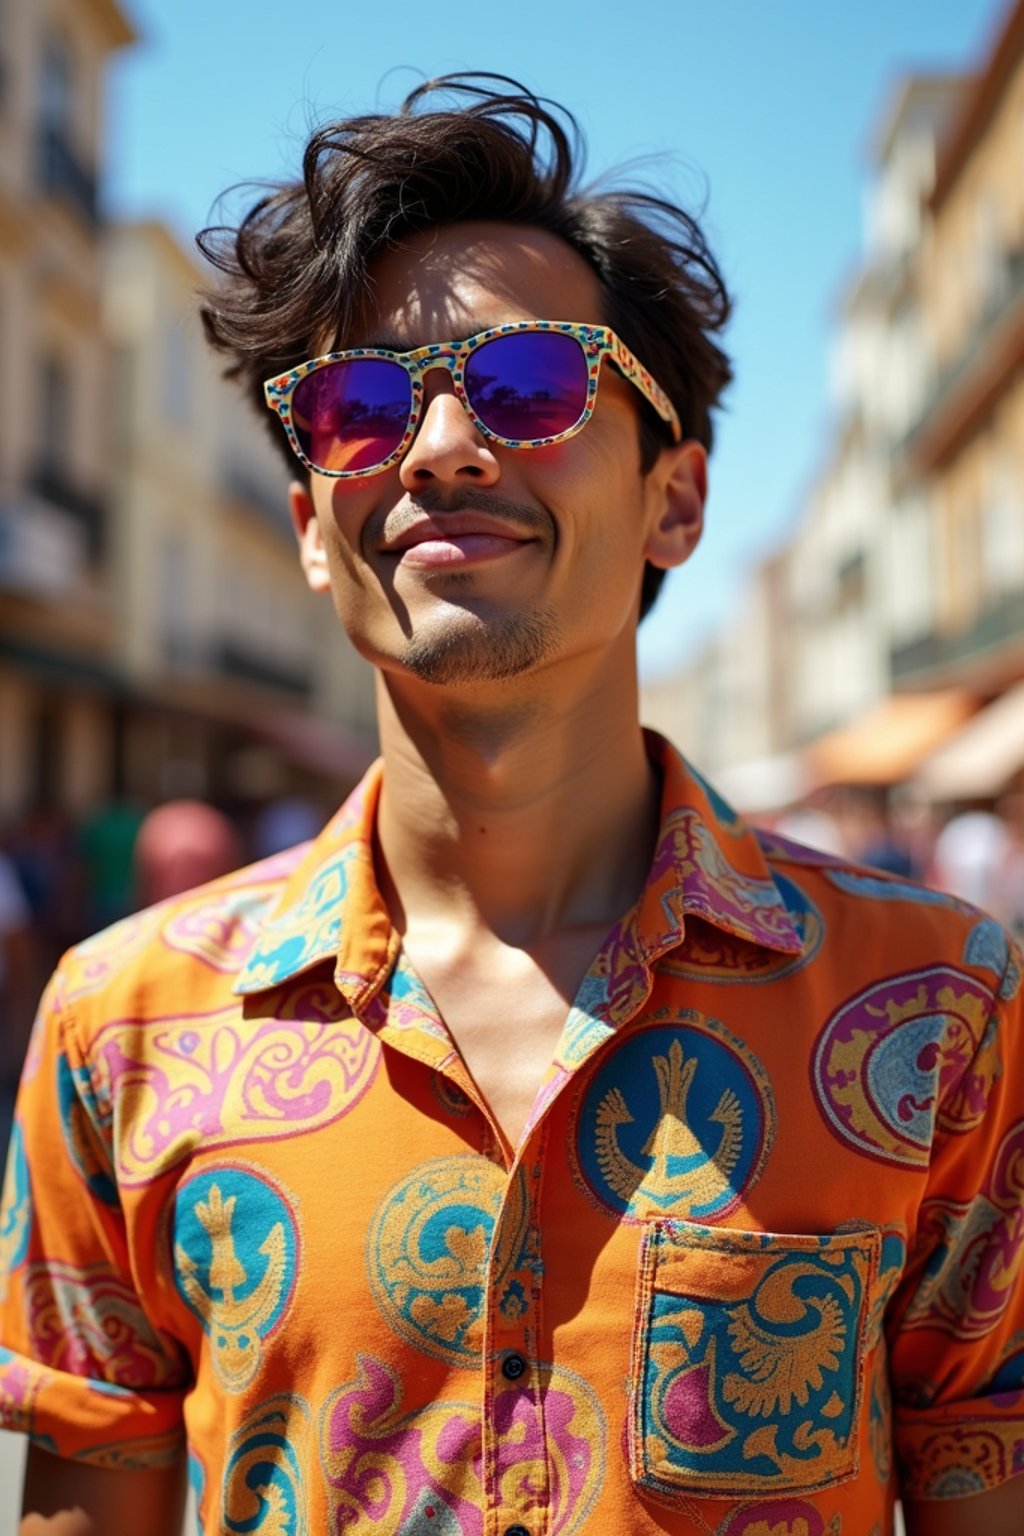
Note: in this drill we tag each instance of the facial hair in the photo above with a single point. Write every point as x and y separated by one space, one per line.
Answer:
471 649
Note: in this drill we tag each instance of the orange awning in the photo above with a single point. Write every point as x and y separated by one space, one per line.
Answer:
886 744
983 757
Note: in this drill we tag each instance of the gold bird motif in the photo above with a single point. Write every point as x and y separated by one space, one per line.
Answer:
779 1369
683 1174
235 1324
277 1517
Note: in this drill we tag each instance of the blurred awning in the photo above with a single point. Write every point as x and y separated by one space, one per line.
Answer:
887 743
981 758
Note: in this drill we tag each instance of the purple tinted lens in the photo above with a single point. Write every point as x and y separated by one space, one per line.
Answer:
528 385
352 415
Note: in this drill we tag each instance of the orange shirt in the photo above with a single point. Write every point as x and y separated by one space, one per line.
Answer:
753 1266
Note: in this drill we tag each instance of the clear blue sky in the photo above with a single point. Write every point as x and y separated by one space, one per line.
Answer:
759 111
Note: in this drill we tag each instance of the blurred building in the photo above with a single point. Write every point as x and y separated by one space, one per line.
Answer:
57 622
156 636
241 684
903 583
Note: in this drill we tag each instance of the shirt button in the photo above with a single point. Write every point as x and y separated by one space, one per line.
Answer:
516 1530
512 1367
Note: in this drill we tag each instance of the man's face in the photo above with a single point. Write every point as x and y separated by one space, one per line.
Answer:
469 562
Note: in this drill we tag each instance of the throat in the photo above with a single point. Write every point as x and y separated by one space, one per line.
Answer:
505 1009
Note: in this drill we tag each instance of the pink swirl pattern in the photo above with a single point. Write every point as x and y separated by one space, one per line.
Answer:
390 1469
88 1322
211 1080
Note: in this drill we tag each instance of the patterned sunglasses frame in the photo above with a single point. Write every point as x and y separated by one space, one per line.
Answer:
596 342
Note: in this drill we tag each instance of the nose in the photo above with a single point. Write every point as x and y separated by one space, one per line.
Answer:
447 448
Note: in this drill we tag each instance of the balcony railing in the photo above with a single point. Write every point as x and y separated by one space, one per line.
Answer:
51 483
1004 299
61 173
1001 622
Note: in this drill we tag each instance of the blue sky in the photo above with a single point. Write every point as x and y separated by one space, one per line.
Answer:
759 112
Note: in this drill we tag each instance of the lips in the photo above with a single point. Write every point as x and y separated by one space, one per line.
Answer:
456 529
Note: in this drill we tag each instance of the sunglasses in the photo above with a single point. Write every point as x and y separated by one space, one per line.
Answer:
524 385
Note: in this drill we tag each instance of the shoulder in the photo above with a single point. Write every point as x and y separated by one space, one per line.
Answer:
887 921
183 954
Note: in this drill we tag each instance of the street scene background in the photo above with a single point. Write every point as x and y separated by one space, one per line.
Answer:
845 655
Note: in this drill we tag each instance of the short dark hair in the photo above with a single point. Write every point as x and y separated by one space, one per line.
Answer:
297 266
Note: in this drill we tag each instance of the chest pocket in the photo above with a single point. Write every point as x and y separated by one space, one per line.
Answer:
748 1359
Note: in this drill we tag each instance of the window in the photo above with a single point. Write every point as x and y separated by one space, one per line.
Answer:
54 415
1002 529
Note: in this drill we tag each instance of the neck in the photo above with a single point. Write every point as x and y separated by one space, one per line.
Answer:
517 815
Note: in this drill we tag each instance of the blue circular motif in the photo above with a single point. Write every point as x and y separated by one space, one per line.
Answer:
429 1251
235 1264
675 1122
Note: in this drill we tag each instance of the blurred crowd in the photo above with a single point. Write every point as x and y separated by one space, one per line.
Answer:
973 851
60 881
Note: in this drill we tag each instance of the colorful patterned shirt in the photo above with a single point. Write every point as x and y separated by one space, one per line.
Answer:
752 1267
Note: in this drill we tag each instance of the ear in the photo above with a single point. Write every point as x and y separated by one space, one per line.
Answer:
678 486
312 555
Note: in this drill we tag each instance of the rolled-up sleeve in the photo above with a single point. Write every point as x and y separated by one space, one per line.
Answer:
84 1371
956 1337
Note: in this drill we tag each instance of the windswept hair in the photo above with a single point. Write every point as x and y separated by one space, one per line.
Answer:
460 148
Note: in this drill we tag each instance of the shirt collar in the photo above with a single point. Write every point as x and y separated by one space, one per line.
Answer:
707 864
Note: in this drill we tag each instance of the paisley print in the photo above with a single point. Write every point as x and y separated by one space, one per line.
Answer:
250 1163
419 1471
713 888
267 1470
429 1252
15 1209
212 1081
710 953
21 1381
236 1250
955 1461
858 882
780 1517
197 1486
749 1359
86 1127
901 1058
215 928
678 1121
1009 1377
306 932
89 1322
974 1251
96 961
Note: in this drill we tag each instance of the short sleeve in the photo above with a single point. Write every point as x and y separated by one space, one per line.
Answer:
956 1332
83 1370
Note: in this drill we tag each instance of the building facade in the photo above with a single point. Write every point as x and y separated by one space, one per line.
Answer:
904 575
156 635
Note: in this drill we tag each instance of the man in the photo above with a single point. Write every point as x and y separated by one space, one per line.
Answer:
539 1151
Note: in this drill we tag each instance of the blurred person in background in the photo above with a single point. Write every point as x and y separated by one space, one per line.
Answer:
539 1149
969 856
18 991
181 844
1008 886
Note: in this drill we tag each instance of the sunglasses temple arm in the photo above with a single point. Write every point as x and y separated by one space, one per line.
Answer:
633 370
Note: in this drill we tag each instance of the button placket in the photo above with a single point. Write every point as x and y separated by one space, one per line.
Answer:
513 1413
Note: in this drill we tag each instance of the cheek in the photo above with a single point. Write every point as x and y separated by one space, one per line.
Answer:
343 511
